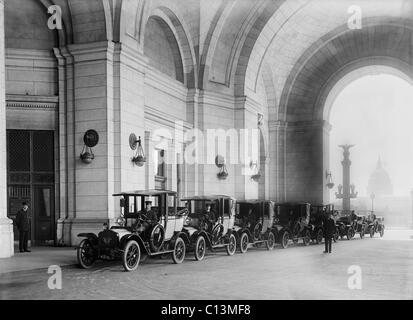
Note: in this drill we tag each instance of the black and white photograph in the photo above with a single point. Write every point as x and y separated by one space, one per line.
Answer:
204 154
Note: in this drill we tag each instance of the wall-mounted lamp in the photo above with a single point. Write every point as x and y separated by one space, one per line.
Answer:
220 163
329 178
90 139
257 175
136 144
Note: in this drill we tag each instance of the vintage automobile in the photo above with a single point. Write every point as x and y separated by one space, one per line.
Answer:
376 224
292 223
254 224
344 224
137 236
317 215
213 229
360 225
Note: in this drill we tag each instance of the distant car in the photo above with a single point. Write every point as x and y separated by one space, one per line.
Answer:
376 225
292 223
214 229
360 225
136 235
254 224
345 224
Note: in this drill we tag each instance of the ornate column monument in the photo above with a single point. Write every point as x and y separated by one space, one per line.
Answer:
346 191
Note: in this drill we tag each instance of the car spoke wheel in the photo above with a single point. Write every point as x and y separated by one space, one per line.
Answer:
232 245
85 254
270 241
349 233
284 239
200 248
371 232
243 245
178 255
131 256
307 238
382 233
361 234
319 237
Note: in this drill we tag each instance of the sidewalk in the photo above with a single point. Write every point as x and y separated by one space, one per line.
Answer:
40 257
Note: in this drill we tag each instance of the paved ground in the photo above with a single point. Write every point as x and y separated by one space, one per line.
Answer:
295 273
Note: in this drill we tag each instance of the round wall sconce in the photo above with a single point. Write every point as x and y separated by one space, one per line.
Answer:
257 175
220 163
90 139
330 183
139 158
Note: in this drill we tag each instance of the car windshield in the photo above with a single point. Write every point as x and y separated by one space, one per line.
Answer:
199 207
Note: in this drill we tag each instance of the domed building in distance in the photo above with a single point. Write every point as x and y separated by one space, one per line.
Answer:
379 182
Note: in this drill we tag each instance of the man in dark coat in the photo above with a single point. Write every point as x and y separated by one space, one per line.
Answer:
23 225
329 227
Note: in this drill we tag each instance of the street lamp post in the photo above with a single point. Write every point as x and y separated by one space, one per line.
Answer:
372 196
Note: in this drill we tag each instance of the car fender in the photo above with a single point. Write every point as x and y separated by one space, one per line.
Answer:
91 236
181 234
135 237
195 236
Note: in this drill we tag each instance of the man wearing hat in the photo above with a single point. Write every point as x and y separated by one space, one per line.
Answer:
151 216
209 216
329 227
23 225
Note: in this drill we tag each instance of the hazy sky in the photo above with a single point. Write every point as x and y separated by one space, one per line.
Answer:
376 114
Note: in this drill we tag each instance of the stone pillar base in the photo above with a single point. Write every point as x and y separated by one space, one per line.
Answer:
6 238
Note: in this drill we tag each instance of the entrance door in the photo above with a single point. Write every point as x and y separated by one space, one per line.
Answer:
43 200
30 178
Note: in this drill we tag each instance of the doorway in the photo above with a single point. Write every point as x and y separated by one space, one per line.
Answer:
30 178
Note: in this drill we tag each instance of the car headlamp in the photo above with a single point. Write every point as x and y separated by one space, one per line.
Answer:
121 221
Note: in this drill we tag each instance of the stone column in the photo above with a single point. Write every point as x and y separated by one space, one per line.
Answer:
6 225
277 181
307 161
411 223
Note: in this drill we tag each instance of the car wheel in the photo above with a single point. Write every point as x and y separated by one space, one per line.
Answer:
178 255
270 243
85 254
131 256
232 245
362 234
284 239
200 248
381 232
319 237
307 238
349 233
336 236
371 232
243 243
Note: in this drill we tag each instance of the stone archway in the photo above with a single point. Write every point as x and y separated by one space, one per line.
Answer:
304 98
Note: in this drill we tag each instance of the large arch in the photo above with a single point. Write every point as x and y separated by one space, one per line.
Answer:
303 103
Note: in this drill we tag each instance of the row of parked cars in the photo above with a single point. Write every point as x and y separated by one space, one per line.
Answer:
152 223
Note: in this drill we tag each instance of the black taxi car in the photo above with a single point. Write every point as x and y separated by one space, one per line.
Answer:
210 224
254 224
292 223
137 234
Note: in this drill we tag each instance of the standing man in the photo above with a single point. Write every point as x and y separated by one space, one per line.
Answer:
23 225
329 229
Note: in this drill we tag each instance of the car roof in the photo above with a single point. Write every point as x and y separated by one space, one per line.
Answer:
253 201
150 193
207 198
292 203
